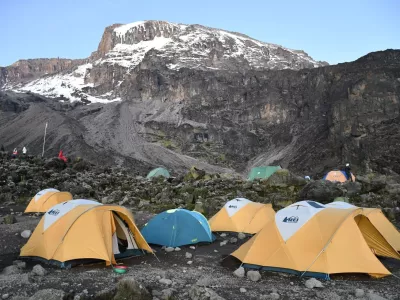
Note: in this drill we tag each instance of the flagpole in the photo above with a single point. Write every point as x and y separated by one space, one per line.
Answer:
44 139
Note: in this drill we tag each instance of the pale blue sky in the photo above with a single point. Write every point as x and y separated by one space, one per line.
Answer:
330 30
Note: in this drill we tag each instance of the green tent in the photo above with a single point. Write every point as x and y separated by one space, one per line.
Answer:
262 172
341 199
158 172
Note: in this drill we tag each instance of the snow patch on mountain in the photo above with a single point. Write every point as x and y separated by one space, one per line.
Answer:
129 56
68 86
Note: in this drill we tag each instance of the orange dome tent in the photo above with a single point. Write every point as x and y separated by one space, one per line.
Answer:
337 176
84 229
308 238
46 199
377 219
242 215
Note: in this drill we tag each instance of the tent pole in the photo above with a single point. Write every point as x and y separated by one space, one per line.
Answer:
44 139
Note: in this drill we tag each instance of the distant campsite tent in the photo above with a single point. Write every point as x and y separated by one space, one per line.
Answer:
177 227
262 172
85 230
46 199
377 219
158 172
242 215
337 176
310 239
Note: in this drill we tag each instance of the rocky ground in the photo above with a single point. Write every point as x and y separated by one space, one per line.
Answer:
170 275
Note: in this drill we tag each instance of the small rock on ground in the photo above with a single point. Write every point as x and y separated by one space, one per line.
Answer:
223 243
26 234
165 281
254 275
233 240
239 272
11 270
177 249
223 235
241 236
242 290
188 255
169 249
39 270
313 283
359 293
189 262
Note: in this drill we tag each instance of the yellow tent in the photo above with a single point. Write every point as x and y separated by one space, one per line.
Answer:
46 199
242 215
310 239
378 219
85 229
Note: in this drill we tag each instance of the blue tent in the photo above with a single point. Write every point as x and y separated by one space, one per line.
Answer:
177 227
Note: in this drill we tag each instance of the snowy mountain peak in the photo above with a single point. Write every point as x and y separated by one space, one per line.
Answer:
124 48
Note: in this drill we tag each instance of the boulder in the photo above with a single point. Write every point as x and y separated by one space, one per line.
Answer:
26 234
167 294
313 283
130 289
9 219
233 240
39 270
55 163
284 178
372 182
359 293
352 188
202 293
165 281
239 272
241 235
204 281
223 243
274 296
373 296
254 275
48 294
323 191
199 207
11 270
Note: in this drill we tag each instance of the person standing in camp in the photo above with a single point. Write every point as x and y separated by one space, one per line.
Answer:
24 151
347 170
62 157
15 153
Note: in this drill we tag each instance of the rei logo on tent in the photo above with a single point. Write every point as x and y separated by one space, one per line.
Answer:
232 206
53 212
292 219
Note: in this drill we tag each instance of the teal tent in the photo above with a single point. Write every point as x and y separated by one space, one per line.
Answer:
158 172
262 172
177 227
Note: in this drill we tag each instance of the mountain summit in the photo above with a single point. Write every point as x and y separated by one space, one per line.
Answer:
159 44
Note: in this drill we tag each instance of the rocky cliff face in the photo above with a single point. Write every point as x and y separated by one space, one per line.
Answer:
309 120
26 70
123 50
